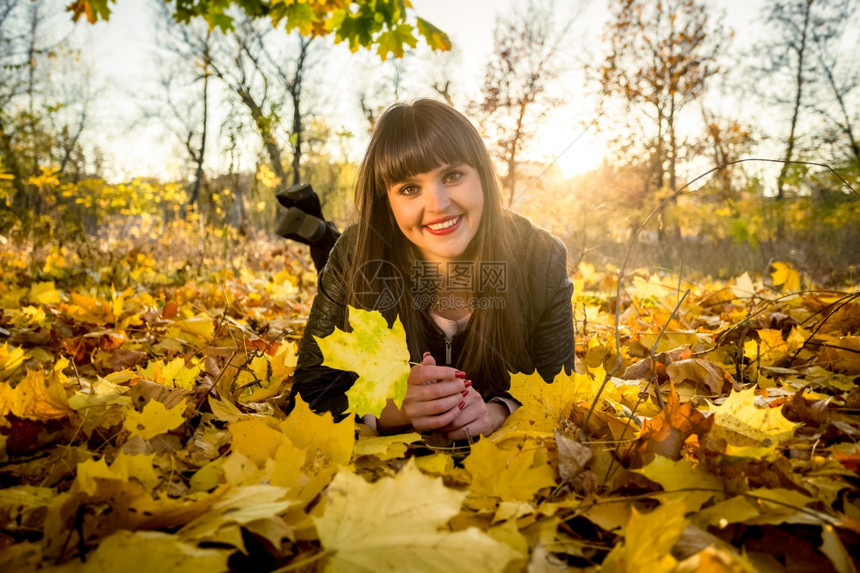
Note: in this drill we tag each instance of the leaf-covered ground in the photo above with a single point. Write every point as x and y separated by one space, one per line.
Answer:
141 428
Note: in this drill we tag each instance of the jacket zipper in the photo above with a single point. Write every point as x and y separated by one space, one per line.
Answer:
448 341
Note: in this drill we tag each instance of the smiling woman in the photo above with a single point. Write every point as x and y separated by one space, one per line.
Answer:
439 211
483 291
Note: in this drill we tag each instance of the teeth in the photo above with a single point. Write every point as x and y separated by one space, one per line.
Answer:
445 225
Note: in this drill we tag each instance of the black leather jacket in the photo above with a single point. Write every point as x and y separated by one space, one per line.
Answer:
549 327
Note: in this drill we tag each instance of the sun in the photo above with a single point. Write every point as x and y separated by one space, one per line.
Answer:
576 152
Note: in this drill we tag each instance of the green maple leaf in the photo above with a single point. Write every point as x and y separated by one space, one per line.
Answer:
376 353
394 40
92 9
436 38
300 16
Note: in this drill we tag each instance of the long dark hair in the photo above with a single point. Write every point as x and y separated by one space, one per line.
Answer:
416 138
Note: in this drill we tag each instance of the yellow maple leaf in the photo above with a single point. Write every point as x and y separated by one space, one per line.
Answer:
10 360
318 432
545 406
683 477
770 349
174 374
89 309
785 275
44 293
378 355
102 392
255 438
750 431
285 359
240 506
648 539
507 474
155 419
153 551
139 467
35 397
87 472
386 447
385 526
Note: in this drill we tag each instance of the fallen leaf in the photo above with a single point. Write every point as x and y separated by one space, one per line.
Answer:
665 433
649 538
683 477
35 398
750 431
506 474
701 372
148 551
155 419
385 526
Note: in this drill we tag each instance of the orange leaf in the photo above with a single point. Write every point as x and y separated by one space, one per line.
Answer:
666 432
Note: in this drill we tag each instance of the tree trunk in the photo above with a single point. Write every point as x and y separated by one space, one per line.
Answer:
798 96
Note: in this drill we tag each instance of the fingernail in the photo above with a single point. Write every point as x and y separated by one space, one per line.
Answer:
426 354
467 383
462 405
465 392
459 374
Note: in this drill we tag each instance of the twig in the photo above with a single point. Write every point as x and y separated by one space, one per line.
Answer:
652 353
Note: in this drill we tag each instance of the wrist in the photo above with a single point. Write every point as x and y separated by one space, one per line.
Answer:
499 412
392 420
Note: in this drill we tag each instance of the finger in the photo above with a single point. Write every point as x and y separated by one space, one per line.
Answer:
422 374
442 372
468 416
436 422
428 408
443 389
466 432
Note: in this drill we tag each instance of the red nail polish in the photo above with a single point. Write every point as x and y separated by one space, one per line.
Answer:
462 405
465 393
459 374
467 383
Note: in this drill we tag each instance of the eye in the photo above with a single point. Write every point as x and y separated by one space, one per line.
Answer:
408 190
454 176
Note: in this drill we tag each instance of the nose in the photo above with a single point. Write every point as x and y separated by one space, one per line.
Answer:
437 198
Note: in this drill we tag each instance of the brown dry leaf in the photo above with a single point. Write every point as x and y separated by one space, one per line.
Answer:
703 372
573 459
665 433
845 358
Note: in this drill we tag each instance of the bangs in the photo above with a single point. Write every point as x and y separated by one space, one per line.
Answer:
412 141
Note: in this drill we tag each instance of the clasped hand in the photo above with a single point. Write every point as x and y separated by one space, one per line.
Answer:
441 398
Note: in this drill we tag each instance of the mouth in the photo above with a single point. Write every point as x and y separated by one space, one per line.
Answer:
444 226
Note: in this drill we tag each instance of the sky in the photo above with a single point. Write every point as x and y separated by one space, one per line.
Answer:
123 50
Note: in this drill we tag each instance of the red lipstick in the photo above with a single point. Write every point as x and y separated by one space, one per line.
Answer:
447 230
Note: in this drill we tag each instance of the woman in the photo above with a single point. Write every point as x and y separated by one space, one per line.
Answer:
480 291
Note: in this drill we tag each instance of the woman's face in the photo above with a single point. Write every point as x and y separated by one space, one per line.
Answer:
439 211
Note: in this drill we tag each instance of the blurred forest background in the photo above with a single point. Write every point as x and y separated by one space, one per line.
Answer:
768 116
